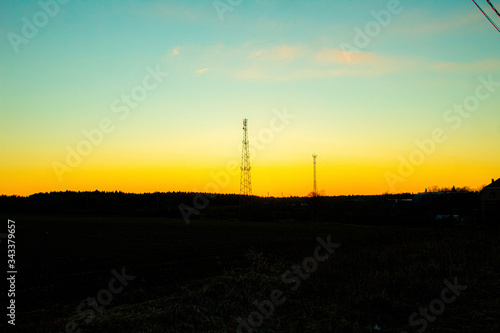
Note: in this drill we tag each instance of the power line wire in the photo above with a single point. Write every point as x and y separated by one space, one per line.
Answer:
493 7
486 15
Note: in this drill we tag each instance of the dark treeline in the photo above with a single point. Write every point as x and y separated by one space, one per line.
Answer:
370 210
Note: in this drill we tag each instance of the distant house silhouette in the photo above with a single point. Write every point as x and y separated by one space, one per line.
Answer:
490 202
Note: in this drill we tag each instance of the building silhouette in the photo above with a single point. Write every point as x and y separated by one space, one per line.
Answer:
490 202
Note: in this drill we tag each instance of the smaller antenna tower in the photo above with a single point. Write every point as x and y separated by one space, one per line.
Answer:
315 190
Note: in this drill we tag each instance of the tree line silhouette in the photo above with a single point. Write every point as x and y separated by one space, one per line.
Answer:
384 209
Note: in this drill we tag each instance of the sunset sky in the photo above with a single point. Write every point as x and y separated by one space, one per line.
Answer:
392 96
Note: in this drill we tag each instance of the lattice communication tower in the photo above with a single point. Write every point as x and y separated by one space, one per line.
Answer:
246 178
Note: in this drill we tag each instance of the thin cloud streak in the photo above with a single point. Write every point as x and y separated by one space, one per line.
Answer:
296 62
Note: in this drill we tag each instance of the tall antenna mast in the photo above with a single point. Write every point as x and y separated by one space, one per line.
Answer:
315 190
246 179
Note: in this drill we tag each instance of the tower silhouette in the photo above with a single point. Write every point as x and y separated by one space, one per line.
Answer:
315 190
246 179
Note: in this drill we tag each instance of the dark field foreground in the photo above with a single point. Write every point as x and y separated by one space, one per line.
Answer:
203 276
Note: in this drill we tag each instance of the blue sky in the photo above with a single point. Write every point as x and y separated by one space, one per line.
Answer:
358 116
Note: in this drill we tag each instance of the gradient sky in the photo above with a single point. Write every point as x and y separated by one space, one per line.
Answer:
359 104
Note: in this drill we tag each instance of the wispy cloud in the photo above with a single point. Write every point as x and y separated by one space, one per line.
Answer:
451 23
286 52
336 56
251 61
481 66
317 63
430 24
282 53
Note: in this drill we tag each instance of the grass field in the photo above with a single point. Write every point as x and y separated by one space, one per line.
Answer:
203 276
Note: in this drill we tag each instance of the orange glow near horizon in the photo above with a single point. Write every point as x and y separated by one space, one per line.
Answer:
286 180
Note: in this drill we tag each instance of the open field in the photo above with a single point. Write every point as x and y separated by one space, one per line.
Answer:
203 276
